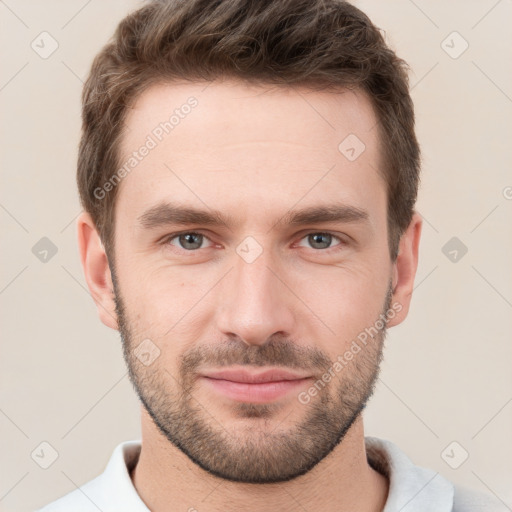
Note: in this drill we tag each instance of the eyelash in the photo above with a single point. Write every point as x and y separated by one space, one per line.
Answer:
166 241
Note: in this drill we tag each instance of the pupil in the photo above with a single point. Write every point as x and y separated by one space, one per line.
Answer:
189 238
318 238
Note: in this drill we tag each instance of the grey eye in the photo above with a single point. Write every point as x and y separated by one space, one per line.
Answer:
320 240
189 241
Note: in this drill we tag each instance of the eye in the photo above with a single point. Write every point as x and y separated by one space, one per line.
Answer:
188 241
321 240
192 241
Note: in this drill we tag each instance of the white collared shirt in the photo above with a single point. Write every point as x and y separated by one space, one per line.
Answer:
411 488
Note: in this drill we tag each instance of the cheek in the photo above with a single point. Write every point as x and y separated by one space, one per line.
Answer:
173 305
345 301
166 307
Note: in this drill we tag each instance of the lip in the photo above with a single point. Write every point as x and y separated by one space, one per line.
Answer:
256 387
269 375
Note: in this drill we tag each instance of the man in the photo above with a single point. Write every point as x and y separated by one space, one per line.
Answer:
248 172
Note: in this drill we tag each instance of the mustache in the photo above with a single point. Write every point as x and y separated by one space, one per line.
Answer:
276 352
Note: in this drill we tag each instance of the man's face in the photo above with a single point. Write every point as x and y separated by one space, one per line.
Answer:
259 293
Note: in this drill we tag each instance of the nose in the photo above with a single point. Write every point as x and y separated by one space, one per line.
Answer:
255 302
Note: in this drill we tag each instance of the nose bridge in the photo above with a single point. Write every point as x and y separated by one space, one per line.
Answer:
255 303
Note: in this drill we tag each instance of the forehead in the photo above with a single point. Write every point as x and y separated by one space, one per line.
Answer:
296 114
229 144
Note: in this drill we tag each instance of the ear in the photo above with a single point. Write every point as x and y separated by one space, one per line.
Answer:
404 269
96 269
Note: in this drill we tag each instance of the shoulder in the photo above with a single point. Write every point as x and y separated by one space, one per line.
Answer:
429 489
469 500
78 500
110 491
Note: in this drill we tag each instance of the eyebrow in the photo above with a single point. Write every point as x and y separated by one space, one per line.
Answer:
167 213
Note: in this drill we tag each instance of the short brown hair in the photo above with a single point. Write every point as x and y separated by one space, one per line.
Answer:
326 43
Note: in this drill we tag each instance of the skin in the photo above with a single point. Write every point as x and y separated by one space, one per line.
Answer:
255 153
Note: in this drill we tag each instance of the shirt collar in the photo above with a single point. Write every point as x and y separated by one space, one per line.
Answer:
411 487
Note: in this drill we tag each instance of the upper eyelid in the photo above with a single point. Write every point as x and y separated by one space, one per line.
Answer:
170 236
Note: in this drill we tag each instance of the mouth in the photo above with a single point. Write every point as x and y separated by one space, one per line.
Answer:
255 387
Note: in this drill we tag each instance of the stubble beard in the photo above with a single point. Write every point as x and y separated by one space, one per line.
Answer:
262 450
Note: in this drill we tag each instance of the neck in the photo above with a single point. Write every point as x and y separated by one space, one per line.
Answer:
342 482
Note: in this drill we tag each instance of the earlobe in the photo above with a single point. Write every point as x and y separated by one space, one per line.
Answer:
404 268
96 269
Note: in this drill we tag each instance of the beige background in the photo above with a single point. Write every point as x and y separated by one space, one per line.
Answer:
446 375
